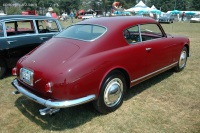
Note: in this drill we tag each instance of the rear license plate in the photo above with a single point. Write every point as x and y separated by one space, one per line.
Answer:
26 75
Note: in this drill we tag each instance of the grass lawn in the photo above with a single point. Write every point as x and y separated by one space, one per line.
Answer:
169 102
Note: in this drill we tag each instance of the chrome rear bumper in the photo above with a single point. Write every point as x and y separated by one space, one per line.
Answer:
51 103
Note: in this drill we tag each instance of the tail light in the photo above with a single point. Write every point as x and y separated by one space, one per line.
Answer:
14 71
48 87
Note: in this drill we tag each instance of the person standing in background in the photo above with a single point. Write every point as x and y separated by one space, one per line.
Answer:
72 16
178 17
64 16
182 16
49 14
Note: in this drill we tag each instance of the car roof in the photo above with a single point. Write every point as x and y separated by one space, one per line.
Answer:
118 21
7 17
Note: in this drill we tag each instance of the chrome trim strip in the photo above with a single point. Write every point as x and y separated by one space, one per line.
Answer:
154 72
50 103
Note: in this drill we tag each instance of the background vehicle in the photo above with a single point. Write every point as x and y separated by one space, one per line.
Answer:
195 19
166 18
19 34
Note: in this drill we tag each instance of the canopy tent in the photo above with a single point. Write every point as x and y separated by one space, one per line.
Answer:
154 10
190 13
153 7
139 8
175 12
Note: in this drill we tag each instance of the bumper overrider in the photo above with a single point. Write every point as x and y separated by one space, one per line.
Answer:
52 105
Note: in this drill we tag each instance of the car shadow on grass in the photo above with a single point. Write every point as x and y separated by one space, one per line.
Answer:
67 118
73 117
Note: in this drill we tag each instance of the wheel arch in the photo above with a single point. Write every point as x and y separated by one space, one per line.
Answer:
120 70
188 48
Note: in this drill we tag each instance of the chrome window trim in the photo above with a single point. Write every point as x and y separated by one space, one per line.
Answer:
135 80
83 39
16 19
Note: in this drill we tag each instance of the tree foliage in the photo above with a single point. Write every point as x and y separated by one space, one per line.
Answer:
13 10
182 5
68 5
2 4
195 5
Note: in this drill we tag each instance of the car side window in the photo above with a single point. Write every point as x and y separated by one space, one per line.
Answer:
132 35
150 31
1 30
25 27
47 26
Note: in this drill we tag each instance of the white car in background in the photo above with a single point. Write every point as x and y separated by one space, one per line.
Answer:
1 14
87 16
195 19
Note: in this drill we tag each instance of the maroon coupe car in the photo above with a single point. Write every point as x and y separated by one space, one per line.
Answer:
98 60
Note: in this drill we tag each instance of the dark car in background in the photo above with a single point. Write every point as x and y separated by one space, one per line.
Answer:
166 18
19 34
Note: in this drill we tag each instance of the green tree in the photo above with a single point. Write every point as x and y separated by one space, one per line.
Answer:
195 5
182 5
3 5
67 6
163 5
12 10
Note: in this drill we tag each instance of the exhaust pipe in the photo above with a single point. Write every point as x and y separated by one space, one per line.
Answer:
44 111
47 110
15 92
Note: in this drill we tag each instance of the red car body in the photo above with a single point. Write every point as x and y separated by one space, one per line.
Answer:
67 71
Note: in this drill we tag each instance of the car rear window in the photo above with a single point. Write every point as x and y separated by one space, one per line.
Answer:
86 32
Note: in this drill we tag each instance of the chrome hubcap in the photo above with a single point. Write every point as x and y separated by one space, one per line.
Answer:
183 59
113 92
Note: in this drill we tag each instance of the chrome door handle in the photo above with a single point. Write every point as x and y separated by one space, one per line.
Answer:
9 42
41 38
148 49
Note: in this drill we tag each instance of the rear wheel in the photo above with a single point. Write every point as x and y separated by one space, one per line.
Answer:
2 69
182 60
112 93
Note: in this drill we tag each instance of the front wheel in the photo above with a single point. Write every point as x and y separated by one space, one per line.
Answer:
112 93
182 60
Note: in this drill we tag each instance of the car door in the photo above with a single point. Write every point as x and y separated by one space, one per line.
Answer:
137 54
47 29
157 46
21 37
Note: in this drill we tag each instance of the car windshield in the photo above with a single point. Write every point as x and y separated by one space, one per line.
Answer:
86 32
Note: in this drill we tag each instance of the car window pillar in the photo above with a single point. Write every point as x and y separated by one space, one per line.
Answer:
35 27
140 35
4 29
